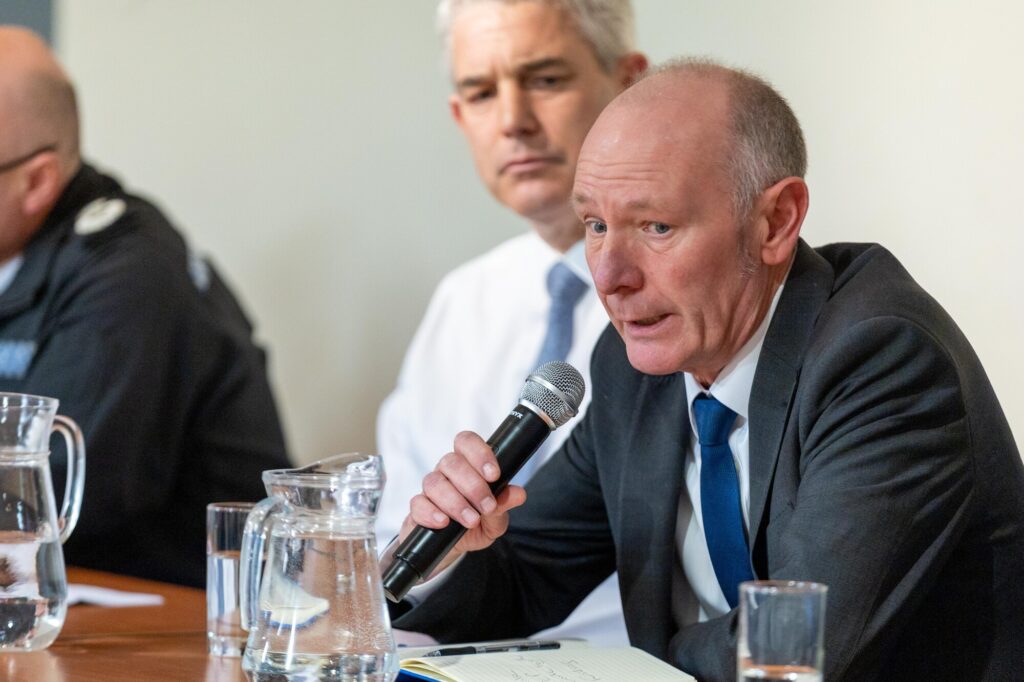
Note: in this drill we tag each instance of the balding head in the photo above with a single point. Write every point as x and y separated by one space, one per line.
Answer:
764 141
38 136
689 185
667 118
37 101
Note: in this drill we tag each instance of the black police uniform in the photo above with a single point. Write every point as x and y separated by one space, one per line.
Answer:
147 349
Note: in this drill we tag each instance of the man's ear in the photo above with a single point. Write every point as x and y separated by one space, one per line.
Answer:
42 185
630 67
455 107
778 217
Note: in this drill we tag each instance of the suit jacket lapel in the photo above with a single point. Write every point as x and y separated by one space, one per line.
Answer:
652 484
807 289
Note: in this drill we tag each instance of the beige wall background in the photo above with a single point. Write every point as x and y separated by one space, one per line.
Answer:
306 147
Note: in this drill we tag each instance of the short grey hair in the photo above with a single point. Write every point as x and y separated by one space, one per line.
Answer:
606 25
767 142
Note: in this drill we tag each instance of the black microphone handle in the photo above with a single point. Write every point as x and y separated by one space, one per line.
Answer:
513 443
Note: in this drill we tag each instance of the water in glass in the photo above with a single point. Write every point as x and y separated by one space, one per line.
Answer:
223 619
32 602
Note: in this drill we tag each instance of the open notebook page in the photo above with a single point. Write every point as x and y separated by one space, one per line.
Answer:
561 665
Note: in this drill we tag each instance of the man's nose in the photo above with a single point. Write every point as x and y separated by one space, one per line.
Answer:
613 265
517 115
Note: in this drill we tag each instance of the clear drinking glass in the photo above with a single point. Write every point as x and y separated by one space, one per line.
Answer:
33 582
225 524
781 631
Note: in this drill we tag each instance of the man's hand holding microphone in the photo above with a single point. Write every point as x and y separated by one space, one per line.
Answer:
466 498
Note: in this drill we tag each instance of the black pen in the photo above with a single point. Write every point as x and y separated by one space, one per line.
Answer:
494 648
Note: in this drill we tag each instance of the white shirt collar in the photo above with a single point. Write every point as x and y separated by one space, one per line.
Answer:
9 270
576 259
733 385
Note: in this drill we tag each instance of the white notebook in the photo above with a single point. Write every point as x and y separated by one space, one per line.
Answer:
573 663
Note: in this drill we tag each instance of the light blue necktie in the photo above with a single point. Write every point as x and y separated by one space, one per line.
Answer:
720 497
566 289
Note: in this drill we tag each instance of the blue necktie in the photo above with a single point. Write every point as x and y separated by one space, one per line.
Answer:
720 497
566 289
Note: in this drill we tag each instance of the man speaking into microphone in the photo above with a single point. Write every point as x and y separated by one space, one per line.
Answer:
529 77
806 413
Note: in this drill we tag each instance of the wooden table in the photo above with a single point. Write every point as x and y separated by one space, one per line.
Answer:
139 643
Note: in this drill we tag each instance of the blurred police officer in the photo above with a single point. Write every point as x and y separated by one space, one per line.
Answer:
103 306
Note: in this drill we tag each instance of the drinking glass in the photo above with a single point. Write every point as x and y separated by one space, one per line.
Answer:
781 631
225 524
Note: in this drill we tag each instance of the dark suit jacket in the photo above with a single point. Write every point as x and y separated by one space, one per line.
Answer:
880 464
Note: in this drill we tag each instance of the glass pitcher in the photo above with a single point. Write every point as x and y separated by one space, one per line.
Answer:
33 582
315 610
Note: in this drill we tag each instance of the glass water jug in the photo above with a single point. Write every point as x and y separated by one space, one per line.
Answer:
315 609
33 582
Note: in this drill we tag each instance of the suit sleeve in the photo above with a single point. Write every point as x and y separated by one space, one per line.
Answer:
878 493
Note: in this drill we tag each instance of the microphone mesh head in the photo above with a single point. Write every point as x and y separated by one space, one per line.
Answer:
557 389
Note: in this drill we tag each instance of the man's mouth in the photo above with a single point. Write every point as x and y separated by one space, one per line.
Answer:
528 164
645 322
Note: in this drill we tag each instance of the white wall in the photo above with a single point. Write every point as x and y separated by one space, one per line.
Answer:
307 147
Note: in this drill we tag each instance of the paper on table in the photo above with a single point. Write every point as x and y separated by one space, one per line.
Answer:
104 596
579 665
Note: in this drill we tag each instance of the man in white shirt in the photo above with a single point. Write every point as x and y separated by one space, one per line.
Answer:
530 78
761 409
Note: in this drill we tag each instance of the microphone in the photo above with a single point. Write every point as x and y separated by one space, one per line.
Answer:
551 397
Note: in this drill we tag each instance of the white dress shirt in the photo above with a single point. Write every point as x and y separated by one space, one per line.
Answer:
464 370
732 388
9 270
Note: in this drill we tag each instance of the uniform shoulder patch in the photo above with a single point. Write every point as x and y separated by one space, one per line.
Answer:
99 214
199 271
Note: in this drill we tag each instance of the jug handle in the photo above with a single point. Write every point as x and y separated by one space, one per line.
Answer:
251 567
75 482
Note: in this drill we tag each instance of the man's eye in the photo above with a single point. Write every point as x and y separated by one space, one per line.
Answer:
660 228
546 81
478 95
597 227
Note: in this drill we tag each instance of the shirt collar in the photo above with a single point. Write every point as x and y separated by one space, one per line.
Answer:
576 259
8 270
734 383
